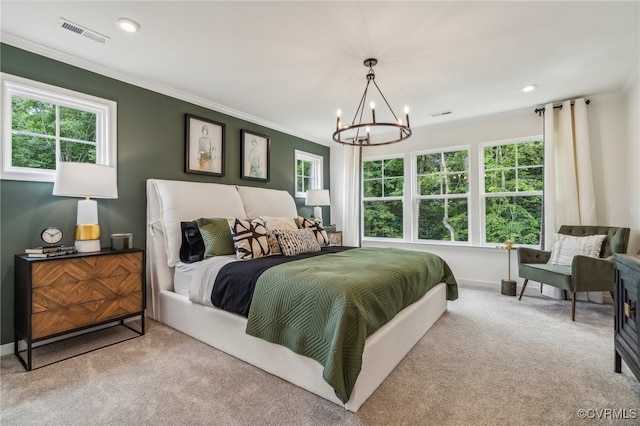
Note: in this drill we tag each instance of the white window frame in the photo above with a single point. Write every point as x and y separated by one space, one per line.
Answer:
402 198
317 166
484 195
106 126
416 197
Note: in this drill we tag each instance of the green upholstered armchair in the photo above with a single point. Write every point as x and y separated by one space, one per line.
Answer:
585 273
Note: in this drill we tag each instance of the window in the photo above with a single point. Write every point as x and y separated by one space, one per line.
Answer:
442 195
383 191
308 173
44 124
511 190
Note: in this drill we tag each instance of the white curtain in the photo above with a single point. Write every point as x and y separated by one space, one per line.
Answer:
351 214
568 175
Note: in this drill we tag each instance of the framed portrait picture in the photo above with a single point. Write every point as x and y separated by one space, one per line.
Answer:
204 146
255 156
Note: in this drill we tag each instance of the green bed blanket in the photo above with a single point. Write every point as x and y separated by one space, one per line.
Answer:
324 307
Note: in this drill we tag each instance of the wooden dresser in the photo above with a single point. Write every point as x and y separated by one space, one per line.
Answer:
627 317
59 295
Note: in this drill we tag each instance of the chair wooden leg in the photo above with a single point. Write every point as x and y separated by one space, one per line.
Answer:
573 306
524 285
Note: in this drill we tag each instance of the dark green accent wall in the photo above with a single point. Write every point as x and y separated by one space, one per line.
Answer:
151 144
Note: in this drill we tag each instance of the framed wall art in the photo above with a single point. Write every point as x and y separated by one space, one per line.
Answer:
204 146
255 156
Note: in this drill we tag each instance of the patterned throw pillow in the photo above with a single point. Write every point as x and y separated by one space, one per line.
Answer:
216 236
296 242
250 238
568 246
318 230
274 222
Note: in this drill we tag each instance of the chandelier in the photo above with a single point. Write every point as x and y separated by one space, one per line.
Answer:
372 133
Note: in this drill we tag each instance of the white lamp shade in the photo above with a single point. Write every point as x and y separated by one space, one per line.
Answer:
318 197
85 180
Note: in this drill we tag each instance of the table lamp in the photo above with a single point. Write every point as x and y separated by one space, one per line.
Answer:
317 198
86 180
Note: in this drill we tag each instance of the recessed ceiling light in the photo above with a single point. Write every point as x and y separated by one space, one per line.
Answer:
529 88
128 25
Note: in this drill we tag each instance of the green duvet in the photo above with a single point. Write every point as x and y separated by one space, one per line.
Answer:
324 307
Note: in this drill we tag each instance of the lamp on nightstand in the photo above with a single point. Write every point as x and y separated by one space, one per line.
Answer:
86 180
317 198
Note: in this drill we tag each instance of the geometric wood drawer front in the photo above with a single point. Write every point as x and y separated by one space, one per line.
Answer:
85 268
56 321
58 295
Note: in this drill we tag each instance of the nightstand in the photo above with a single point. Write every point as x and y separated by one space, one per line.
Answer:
335 238
57 296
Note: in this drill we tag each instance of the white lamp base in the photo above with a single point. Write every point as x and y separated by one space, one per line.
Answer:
317 212
86 246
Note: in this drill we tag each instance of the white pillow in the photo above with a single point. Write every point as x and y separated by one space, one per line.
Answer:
568 246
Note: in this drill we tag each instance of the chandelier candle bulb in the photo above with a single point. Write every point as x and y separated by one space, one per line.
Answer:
406 115
338 120
373 111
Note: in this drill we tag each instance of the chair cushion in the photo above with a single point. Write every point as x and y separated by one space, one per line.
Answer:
555 275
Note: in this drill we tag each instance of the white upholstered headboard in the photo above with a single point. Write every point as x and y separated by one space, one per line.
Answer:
170 202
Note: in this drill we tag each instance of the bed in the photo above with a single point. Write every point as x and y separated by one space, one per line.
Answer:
174 300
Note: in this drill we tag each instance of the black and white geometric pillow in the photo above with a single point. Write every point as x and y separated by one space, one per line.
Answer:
296 242
318 230
250 238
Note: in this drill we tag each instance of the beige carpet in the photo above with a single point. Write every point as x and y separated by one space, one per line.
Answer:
490 360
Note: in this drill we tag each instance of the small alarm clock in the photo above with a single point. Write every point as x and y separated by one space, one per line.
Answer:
51 235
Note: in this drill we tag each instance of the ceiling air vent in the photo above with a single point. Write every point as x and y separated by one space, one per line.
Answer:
440 114
84 32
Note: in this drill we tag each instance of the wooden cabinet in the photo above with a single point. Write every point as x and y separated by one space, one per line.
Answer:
59 295
627 317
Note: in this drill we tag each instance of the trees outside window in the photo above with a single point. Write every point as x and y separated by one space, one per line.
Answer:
45 124
442 195
512 191
383 191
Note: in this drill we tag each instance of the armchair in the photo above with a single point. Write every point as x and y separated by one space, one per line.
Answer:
585 273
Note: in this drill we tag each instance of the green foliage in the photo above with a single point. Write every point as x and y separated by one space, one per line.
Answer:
441 174
303 175
515 218
383 178
514 168
33 142
383 219
511 169
443 219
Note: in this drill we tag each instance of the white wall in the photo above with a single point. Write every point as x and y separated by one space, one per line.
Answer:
608 116
633 161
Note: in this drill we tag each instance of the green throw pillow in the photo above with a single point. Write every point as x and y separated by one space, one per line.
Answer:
216 236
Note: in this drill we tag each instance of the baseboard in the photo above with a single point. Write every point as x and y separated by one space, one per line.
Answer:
532 290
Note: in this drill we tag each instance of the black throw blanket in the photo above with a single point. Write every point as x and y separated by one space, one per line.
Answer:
234 285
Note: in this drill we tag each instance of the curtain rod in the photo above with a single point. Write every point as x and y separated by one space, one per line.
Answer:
540 111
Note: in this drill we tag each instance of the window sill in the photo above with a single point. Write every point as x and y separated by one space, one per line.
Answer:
389 242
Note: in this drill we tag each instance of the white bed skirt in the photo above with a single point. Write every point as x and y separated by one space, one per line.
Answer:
383 350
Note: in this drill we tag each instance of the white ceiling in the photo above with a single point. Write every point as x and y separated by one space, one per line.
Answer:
291 65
